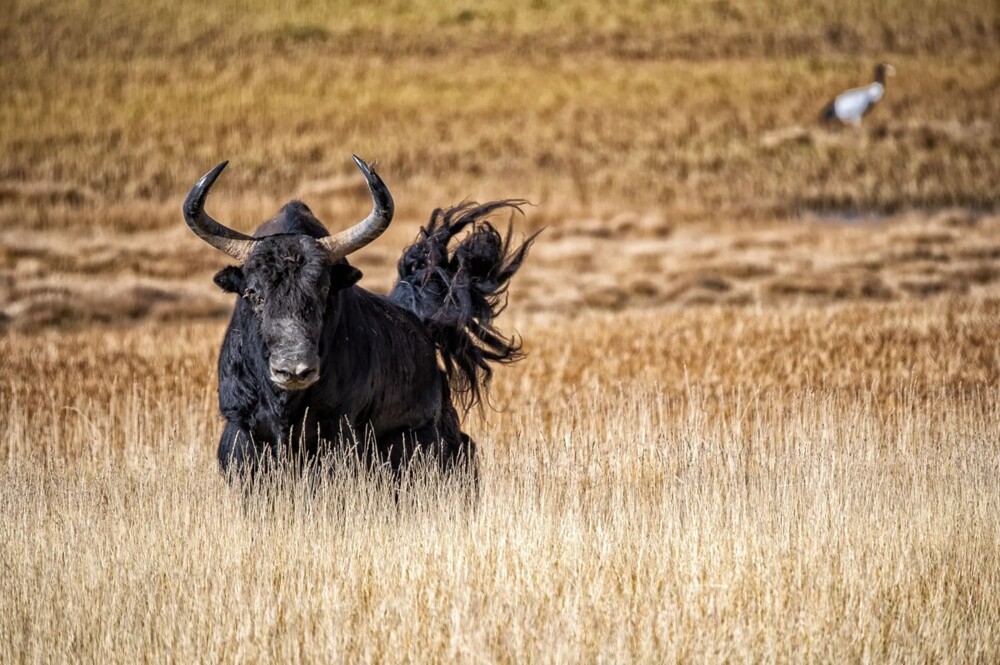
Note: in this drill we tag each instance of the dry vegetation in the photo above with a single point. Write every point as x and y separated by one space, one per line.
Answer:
692 107
759 416
794 483
634 121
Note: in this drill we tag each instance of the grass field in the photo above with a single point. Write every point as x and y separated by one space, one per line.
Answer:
697 108
758 418
789 484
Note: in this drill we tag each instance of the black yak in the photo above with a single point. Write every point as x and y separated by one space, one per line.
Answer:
311 362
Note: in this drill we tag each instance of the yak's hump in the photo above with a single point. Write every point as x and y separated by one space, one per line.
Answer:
295 217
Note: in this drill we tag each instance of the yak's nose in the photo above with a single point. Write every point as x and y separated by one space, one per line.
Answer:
294 374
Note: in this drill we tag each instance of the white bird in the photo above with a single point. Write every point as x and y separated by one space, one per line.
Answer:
850 106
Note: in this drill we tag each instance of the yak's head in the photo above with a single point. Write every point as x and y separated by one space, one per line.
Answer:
289 268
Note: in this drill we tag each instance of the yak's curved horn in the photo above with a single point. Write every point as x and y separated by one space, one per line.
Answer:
351 240
233 243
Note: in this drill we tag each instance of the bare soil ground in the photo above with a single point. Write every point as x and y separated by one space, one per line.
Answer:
70 278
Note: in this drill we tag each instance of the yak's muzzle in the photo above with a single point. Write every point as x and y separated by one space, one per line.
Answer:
294 374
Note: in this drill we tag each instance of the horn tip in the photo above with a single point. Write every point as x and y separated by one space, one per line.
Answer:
362 164
210 177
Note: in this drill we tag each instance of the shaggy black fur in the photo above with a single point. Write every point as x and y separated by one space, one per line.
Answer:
380 388
457 292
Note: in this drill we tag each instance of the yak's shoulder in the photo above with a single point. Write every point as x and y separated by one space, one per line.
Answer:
295 217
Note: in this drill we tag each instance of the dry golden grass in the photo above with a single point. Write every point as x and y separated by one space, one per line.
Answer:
713 484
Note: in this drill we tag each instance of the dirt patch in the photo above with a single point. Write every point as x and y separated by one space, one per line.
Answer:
52 279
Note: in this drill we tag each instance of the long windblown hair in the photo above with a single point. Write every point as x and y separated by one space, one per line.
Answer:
458 289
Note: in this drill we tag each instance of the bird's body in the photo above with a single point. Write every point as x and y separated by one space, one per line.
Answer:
850 107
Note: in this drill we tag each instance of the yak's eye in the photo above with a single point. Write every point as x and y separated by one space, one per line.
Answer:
251 295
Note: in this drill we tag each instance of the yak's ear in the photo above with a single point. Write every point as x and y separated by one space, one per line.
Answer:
230 280
343 275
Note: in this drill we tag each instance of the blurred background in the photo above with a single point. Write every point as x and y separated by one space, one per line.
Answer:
673 150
